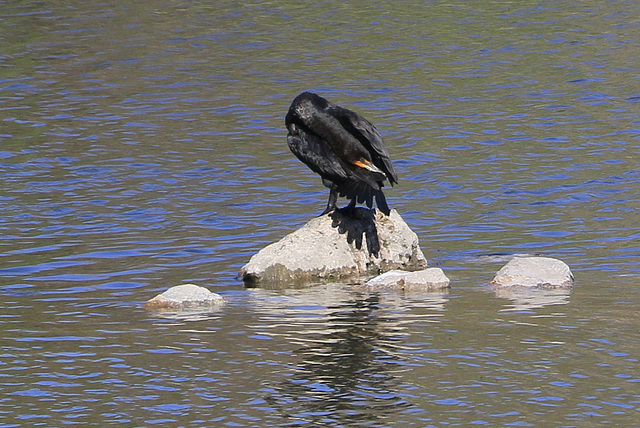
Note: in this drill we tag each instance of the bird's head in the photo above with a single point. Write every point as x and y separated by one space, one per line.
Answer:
304 106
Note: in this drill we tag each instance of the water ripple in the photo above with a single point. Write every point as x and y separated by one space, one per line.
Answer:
143 153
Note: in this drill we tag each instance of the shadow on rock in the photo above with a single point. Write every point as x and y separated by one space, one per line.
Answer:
358 224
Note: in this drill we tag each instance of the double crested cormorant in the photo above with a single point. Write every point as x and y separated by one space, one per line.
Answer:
344 148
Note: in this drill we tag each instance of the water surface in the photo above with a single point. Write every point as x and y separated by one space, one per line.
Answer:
143 146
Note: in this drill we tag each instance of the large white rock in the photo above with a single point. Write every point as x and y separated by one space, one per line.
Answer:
184 297
534 272
430 279
335 246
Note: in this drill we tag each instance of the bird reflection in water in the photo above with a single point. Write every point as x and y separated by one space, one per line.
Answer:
347 371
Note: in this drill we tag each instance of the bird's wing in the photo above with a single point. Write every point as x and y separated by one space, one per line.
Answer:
369 136
311 150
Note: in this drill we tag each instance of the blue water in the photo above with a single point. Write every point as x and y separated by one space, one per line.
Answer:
142 146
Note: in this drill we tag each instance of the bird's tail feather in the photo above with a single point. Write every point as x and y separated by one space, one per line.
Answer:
381 202
363 193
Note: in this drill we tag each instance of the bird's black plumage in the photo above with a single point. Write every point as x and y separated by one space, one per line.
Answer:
344 148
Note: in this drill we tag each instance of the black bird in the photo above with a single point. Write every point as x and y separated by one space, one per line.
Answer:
344 148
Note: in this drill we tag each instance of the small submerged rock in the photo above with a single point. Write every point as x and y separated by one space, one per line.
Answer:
335 246
184 297
430 279
534 272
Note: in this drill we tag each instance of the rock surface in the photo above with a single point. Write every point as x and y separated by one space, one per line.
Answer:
534 272
184 297
336 246
430 279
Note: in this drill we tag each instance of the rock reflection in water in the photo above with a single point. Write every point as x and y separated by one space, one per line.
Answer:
524 299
